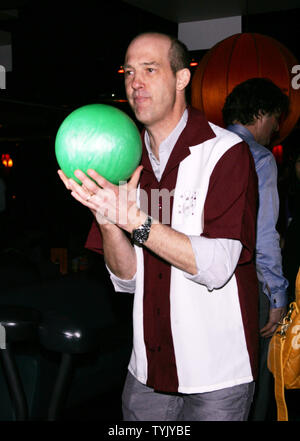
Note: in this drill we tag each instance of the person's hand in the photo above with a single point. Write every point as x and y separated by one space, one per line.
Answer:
275 316
67 182
64 178
108 202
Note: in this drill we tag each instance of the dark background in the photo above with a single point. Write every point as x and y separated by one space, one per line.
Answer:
64 55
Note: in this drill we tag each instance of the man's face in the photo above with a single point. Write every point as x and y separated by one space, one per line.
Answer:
149 81
267 126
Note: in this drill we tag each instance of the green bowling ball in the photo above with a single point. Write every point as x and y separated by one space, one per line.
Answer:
100 137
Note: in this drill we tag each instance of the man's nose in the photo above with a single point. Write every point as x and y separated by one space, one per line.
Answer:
137 82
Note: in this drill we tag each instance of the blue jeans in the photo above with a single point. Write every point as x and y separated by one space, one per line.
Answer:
142 403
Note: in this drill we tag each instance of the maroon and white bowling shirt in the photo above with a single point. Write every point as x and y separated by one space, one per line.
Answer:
188 338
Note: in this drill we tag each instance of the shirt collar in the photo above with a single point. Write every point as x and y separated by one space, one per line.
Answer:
242 131
166 147
168 144
196 131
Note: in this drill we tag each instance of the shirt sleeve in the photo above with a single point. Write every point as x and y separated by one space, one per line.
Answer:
94 243
216 260
230 207
121 285
268 252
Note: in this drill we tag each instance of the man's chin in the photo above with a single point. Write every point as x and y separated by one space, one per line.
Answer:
141 115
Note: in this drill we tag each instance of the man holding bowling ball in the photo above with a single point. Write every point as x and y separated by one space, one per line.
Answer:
180 235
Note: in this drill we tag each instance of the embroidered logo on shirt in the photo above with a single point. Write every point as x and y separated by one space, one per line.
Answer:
187 204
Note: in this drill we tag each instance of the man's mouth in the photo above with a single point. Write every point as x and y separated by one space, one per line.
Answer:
138 99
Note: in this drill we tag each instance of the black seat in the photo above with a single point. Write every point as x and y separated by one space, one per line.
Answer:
60 333
18 324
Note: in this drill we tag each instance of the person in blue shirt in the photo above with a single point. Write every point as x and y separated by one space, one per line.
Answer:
253 110
290 209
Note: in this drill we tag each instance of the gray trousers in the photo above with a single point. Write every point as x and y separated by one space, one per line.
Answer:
142 403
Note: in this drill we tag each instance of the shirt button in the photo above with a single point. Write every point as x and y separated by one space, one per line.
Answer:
160 276
158 348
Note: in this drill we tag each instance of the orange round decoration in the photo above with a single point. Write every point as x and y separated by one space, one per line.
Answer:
236 59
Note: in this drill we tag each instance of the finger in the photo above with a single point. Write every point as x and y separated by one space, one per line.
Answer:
90 202
83 194
268 330
268 326
87 183
101 181
134 180
268 334
64 178
69 182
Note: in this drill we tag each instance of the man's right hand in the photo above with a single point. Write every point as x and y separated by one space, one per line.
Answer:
275 316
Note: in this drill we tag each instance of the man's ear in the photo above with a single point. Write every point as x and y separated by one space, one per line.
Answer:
183 77
259 115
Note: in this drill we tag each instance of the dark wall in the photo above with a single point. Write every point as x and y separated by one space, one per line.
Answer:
281 25
65 54
70 51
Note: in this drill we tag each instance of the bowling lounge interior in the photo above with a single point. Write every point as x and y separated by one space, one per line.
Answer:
68 335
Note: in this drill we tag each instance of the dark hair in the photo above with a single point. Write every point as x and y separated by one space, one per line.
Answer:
254 96
178 55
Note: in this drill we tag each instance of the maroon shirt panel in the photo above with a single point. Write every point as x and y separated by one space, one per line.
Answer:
94 239
162 372
247 283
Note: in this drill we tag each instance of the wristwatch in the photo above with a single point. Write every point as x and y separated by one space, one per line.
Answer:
141 234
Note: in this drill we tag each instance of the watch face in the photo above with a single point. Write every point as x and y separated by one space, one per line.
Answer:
141 234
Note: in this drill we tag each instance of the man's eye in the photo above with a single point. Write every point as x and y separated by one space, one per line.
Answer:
151 69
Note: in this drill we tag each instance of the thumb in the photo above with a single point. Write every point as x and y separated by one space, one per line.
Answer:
134 180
